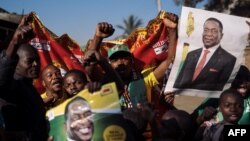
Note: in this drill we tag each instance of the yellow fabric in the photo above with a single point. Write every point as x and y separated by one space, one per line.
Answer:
150 81
59 101
43 96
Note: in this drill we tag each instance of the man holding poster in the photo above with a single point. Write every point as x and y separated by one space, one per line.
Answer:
209 67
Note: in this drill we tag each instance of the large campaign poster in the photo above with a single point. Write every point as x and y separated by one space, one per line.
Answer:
96 116
209 52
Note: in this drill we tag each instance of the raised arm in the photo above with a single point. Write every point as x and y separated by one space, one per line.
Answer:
23 34
92 57
159 72
103 30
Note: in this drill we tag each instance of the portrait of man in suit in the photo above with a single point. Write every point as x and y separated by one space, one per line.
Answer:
209 67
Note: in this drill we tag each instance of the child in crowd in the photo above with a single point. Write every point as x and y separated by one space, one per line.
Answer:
74 81
207 110
231 105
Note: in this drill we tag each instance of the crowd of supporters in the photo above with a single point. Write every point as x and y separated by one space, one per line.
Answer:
144 105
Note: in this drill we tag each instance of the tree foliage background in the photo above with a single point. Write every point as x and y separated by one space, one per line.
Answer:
129 25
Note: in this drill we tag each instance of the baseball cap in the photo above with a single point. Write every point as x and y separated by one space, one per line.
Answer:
118 48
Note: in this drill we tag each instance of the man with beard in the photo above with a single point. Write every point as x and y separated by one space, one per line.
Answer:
79 120
53 82
135 86
138 84
121 60
24 115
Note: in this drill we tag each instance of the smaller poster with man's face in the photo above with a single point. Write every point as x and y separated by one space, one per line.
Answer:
209 52
89 117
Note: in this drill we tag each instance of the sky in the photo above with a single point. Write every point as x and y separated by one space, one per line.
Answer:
78 18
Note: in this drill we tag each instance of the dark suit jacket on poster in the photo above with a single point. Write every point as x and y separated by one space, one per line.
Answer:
212 77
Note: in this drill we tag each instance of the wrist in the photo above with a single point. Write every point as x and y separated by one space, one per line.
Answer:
98 37
12 47
14 42
96 42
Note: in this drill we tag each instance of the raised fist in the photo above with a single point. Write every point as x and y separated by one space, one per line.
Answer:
104 30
